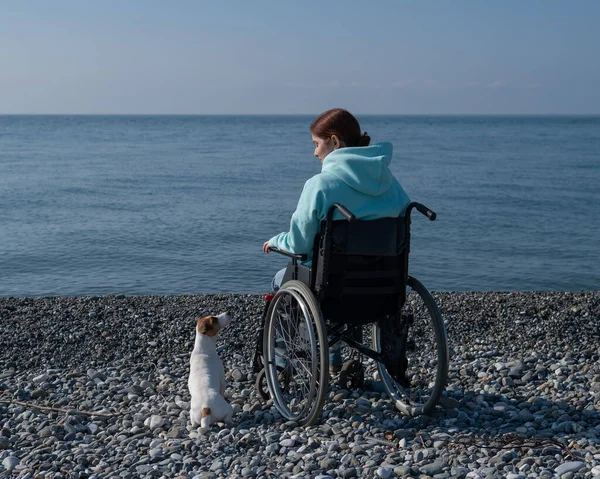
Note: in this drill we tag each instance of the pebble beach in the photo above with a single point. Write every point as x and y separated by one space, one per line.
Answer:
96 387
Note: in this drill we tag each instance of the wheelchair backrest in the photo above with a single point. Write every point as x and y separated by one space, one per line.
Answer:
360 268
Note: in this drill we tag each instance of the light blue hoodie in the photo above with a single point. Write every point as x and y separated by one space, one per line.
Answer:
359 178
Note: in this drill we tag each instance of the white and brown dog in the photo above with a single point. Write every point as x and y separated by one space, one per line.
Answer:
207 375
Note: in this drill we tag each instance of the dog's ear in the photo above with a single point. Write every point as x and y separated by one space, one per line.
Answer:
208 325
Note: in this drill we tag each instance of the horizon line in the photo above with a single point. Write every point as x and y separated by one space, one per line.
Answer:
298 114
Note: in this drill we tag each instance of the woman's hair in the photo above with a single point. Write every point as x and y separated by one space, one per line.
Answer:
341 123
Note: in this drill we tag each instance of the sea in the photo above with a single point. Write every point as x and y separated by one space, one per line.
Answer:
171 205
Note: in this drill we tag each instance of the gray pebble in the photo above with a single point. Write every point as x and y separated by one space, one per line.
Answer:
571 466
384 472
9 463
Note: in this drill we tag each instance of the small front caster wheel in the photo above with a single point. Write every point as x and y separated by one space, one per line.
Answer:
352 375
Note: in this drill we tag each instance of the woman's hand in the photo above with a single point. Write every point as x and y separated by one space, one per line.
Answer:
266 248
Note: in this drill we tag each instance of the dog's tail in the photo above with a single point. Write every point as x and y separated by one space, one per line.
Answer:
205 421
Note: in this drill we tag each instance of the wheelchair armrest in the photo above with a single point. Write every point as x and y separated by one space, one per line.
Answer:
299 257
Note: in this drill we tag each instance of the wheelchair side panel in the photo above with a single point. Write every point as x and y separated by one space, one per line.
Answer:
304 274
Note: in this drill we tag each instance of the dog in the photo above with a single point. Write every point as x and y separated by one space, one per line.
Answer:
207 375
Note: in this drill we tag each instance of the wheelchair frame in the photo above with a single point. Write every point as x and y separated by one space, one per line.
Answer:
391 339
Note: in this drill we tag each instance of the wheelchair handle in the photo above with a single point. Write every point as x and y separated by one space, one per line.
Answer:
422 209
300 257
346 213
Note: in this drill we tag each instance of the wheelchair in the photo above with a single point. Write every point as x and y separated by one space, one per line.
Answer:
358 280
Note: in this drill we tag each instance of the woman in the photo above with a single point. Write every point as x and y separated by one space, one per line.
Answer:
354 174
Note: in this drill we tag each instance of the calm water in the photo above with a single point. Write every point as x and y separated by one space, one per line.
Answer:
182 204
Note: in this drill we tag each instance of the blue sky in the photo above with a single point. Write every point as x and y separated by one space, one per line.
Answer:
228 57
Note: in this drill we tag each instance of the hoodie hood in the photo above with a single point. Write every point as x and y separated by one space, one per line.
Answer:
365 169
358 178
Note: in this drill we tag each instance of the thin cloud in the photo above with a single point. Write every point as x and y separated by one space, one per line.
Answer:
330 84
428 83
497 84
403 84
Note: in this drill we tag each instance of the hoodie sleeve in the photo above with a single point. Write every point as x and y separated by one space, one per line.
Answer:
305 221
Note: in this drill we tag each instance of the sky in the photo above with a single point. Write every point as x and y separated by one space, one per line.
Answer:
299 57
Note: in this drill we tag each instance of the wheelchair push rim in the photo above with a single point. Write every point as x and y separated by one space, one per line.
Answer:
295 341
427 354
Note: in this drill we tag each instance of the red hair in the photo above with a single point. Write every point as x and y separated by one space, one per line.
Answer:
341 123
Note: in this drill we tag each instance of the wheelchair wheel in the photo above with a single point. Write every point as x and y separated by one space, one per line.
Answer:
295 352
426 354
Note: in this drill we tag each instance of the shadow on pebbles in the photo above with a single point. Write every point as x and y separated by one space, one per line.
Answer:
96 387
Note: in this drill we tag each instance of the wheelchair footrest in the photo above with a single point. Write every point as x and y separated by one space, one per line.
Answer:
393 348
397 369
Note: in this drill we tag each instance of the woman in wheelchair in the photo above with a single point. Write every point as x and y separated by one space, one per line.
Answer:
349 241
354 174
